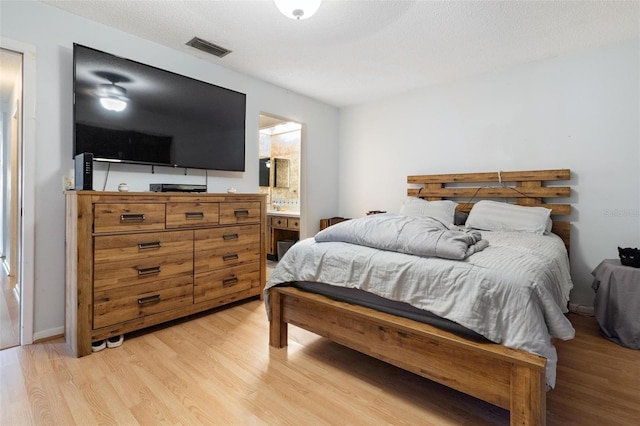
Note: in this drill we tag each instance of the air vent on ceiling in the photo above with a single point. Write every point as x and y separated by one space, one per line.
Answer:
210 48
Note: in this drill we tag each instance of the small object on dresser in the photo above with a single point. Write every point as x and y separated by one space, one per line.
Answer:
231 190
629 256
123 187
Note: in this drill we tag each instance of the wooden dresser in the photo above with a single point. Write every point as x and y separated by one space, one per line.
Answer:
139 259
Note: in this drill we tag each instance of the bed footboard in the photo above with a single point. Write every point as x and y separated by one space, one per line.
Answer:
508 378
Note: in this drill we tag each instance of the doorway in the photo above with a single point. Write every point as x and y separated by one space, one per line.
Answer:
279 162
280 143
11 100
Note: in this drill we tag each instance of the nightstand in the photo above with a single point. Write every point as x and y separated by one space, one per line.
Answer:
617 303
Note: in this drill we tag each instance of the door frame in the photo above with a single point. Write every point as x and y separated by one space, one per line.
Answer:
26 231
302 190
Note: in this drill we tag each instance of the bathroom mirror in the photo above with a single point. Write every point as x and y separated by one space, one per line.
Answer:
281 172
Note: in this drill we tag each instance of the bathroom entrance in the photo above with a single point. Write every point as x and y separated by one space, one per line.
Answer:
279 178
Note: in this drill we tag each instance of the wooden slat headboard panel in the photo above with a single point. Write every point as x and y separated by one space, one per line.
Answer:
525 188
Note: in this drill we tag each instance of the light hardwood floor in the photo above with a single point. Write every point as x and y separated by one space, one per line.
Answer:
218 369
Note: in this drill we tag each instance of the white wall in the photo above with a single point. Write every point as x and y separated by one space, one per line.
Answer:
579 111
53 33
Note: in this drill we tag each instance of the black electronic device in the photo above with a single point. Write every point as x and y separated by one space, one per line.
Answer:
176 187
129 112
84 171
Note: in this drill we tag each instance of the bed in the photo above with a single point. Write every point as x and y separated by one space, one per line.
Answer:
514 376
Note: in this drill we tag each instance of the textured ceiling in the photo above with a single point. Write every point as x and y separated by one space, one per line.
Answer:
357 51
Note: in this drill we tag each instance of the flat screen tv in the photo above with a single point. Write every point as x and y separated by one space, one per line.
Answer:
129 112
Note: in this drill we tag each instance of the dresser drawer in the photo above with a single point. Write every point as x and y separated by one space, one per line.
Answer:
116 248
222 282
222 247
111 275
293 223
282 222
128 217
241 212
182 215
278 222
118 305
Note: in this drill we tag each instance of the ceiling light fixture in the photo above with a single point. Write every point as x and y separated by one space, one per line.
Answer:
298 9
112 97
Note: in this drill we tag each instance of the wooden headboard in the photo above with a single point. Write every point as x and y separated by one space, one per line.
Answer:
525 188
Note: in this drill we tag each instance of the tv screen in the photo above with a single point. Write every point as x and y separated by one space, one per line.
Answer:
125 111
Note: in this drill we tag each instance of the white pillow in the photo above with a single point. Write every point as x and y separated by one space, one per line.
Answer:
547 229
443 211
495 216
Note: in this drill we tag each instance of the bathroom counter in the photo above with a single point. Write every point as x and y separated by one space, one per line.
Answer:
285 213
281 226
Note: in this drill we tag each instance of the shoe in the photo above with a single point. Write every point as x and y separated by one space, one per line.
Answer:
115 341
98 345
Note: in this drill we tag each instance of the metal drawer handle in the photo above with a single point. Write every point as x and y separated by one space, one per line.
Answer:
241 212
149 245
132 217
230 281
227 237
148 271
149 300
194 215
228 257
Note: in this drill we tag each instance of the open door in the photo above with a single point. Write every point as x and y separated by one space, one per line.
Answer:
17 177
10 164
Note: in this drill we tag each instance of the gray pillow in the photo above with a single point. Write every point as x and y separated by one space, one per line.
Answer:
496 216
441 210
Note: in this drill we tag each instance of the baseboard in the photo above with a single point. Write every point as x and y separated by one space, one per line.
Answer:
52 333
581 309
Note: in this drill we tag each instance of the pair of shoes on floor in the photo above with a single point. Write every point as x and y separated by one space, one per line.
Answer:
111 342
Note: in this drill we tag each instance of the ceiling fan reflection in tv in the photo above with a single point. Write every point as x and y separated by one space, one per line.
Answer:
126 111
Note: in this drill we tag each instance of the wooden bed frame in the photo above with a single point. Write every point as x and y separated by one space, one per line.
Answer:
509 378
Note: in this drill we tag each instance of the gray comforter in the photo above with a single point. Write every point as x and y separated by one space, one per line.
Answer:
419 236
